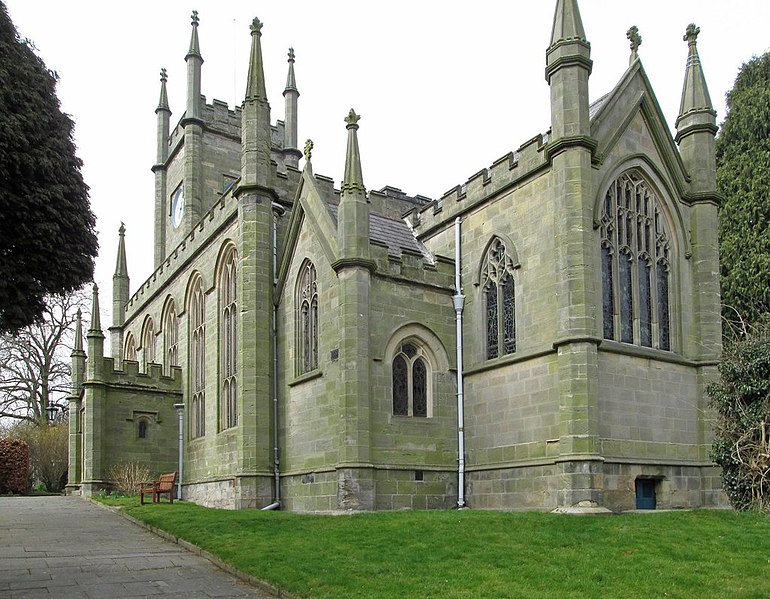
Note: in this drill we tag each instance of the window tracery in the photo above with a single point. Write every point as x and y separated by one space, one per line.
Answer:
499 291
635 253
307 318
411 382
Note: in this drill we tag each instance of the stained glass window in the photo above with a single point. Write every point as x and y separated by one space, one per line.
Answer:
400 386
635 265
307 319
500 300
197 361
229 342
411 382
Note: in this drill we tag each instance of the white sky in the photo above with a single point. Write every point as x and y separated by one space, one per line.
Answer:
444 87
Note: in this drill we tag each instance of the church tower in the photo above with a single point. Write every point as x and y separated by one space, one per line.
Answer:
570 150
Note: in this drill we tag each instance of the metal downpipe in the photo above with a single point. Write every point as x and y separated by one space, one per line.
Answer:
459 302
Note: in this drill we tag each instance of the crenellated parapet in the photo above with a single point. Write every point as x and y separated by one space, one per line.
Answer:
505 173
130 377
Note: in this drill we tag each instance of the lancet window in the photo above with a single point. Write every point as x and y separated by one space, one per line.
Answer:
499 300
229 342
129 352
636 261
170 337
197 361
411 381
148 344
307 318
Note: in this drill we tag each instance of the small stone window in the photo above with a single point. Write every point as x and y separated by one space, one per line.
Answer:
411 382
143 428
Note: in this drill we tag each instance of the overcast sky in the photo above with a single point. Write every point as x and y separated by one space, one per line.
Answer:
444 88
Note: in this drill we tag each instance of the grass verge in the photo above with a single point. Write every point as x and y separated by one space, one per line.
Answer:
468 554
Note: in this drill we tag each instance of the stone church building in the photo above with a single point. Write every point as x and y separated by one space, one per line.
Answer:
540 337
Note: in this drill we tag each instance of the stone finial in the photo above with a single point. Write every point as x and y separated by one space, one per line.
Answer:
352 119
308 149
636 40
691 35
122 229
291 54
163 76
256 26
195 19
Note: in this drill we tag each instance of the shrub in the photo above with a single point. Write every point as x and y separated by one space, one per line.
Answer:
741 399
14 466
128 477
48 453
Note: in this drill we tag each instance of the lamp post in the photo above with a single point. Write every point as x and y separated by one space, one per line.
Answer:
180 414
51 413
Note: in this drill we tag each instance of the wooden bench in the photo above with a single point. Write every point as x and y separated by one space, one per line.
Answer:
165 485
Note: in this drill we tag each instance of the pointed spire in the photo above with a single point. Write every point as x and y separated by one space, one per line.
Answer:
569 46
163 101
291 83
354 180
255 86
121 268
695 93
567 24
78 349
636 40
96 323
195 49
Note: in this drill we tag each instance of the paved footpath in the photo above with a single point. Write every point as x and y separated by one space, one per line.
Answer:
66 547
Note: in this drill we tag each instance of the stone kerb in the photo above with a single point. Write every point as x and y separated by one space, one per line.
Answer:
506 171
220 213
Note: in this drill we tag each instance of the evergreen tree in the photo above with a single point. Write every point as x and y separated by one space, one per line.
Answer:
47 237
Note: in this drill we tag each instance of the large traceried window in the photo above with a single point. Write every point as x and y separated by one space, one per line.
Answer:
197 361
411 381
229 342
307 319
635 265
170 337
499 300
148 344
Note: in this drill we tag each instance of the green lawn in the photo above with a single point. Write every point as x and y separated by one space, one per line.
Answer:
467 554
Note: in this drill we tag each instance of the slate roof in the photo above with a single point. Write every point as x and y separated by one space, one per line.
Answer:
394 234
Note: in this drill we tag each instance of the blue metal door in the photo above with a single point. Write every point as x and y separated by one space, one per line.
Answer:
645 494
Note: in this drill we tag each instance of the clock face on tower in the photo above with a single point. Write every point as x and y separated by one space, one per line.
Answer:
177 206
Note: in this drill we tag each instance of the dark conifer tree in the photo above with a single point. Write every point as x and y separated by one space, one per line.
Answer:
743 178
47 237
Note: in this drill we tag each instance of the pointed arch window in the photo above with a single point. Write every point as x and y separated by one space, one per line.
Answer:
229 342
636 273
307 318
148 344
197 361
170 338
499 291
129 352
411 381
